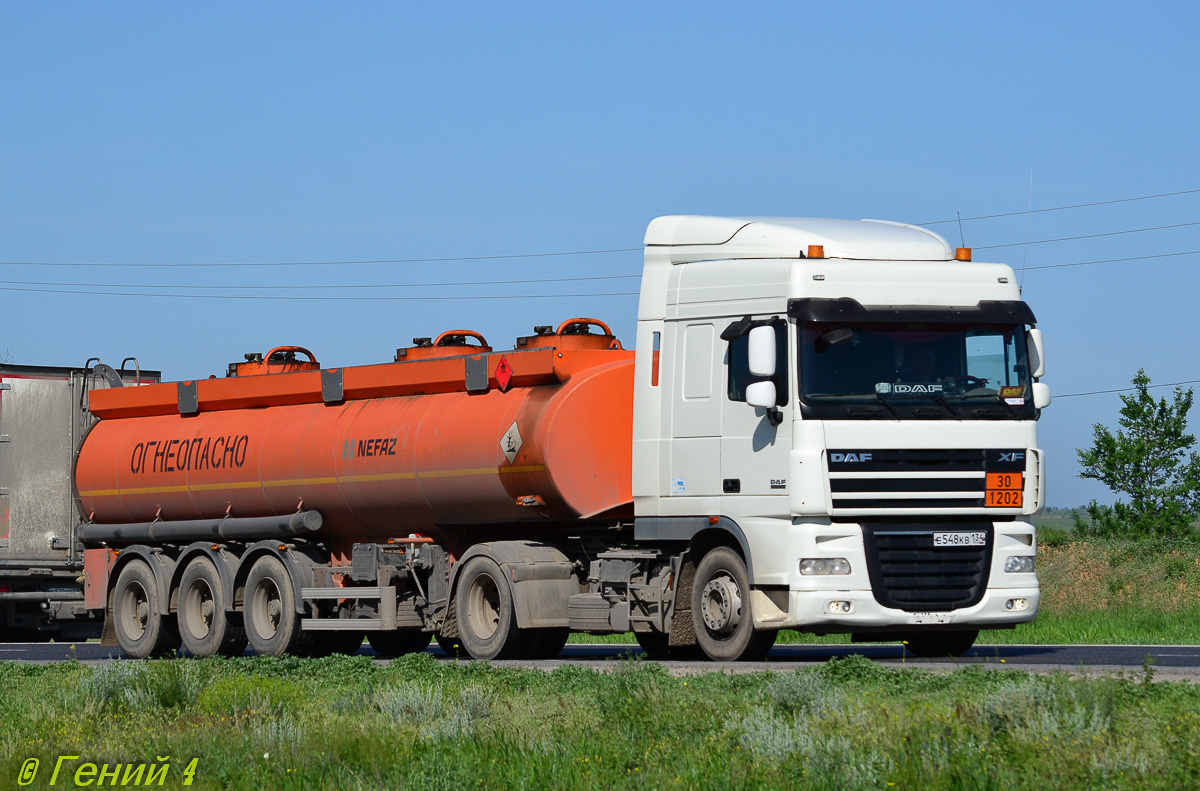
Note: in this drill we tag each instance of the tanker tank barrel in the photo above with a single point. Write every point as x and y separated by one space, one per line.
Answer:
239 528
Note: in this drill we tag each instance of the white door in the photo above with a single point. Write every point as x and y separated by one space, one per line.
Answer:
754 448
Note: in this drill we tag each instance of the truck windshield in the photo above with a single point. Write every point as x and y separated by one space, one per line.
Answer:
898 370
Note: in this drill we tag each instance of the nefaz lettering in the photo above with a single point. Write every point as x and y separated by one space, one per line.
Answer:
379 446
849 457
188 455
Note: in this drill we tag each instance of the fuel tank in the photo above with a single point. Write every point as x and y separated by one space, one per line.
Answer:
450 435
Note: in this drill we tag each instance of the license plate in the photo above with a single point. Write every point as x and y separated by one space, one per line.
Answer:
959 539
929 617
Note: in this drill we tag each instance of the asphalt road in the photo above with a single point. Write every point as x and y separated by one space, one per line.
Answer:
1171 662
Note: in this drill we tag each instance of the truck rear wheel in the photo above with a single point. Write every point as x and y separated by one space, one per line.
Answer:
272 623
205 627
142 631
938 645
721 610
487 622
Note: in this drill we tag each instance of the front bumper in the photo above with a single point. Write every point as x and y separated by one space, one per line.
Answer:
809 610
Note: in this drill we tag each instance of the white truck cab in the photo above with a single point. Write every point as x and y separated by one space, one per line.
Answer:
856 402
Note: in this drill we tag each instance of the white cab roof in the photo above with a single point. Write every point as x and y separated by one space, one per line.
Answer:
694 238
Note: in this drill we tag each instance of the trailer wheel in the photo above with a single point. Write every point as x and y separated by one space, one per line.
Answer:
272 623
487 623
721 610
938 645
205 626
142 631
399 643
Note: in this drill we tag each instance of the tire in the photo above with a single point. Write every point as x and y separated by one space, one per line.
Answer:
938 645
142 631
206 627
272 623
399 642
545 643
721 612
487 622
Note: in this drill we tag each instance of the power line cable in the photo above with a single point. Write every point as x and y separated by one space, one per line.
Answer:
275 297
324 287
1064 208
451 259
1128 389
1088 236
1116 260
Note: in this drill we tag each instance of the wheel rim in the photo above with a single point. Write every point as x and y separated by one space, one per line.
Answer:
721 605
266 608
483 607
135 611
198 609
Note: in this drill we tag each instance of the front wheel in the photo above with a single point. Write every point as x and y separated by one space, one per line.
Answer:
938 645
721 611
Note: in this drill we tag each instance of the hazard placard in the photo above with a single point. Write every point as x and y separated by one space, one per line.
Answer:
503 374
510 443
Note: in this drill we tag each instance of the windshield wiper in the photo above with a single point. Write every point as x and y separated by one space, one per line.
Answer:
941 399
1001 401
886 405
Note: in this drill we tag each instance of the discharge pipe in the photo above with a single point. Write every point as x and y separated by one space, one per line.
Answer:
253 528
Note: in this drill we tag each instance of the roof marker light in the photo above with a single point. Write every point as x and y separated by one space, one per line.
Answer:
962 254
816 251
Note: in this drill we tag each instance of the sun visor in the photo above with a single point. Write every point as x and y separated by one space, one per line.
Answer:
850 311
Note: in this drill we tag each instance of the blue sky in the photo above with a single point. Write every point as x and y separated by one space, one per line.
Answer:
224 133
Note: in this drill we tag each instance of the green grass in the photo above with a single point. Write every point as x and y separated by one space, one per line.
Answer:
345 723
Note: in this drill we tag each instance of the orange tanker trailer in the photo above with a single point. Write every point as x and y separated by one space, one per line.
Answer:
285 488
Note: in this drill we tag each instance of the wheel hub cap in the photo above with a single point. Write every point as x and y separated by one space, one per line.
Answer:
722 605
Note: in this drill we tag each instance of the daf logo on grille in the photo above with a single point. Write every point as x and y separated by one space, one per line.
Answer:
849 457
1014 456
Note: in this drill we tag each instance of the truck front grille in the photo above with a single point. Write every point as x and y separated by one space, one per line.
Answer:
899 480
909 572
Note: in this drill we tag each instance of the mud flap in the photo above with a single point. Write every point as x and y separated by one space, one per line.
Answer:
683 630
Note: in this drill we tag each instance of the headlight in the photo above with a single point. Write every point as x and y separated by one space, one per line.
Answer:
821 567
1019 564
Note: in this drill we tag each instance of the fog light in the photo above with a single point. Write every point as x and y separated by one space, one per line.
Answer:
1019 564
821 567
835 607
1016 605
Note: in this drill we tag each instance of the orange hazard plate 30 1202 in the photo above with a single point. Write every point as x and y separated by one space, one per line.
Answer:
1004 489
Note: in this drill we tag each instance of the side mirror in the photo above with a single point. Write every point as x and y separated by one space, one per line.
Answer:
1037 354
761 394
761 352
1041 395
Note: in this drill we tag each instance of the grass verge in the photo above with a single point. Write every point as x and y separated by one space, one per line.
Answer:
255 723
